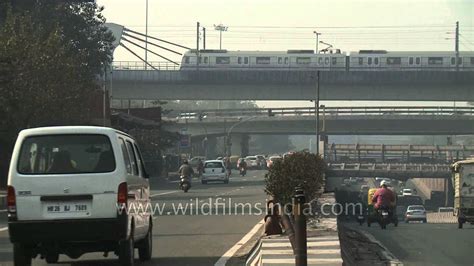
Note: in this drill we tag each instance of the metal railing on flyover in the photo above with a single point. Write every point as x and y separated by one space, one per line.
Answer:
328 111
374 169
136 65
399 148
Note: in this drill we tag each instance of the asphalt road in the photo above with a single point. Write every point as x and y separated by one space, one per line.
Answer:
427 244
191 237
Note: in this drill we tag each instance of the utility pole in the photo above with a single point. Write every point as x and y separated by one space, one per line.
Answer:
317 41
456 45
316 103
220 28
204 38
197 43
146 34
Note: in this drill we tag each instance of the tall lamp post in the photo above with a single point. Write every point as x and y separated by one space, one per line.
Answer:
146 34
316 105
317 41
228 141
220 28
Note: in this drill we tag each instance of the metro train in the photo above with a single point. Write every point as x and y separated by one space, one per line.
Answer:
366 60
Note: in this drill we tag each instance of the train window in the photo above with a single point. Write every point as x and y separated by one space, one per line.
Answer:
418 60
361 60
410 60
376 61
186 59
246 60
280 60
326 61
435 60
369 60
334 60
263 60
303 60
320 61
453 61
222 60
394 61
286 60
239 60
472 60
199 60
459 60
206 59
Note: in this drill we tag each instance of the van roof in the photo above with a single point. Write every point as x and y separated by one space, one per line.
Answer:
71 130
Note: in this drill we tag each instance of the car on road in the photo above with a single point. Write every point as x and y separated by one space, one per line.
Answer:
68 193
252 162
415 213
272 160
214 170
407 192
262 162
445 210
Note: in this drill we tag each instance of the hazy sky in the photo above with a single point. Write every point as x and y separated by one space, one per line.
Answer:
349 25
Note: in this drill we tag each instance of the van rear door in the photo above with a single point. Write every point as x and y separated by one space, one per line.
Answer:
66 176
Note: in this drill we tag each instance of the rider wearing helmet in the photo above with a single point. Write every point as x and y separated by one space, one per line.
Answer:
384 197
186 170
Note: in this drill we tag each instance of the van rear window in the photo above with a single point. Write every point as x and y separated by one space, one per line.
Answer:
66 154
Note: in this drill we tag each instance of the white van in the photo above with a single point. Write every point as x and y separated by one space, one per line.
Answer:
69 189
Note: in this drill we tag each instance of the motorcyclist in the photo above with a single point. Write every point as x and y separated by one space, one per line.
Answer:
186 171
243 165
384 198
228 165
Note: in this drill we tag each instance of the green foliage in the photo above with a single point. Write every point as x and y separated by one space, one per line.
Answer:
51 55
299 169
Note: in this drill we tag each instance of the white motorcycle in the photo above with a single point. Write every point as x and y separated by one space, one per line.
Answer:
184 184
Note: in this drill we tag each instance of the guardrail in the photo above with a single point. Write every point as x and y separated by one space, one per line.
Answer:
135 65
328 111
389 170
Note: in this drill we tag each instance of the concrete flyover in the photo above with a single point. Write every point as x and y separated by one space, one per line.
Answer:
387 124
427 85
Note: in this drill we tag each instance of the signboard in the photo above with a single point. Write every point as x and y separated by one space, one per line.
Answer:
185 141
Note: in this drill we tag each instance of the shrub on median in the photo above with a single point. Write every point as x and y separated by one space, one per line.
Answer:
301 168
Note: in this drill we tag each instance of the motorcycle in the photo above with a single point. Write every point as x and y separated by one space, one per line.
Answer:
384 217
184 184
243 171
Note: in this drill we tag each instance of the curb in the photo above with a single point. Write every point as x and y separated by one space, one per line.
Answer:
391 259
255 257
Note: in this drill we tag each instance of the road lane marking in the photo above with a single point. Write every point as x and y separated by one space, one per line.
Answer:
223 260
164 193
3 229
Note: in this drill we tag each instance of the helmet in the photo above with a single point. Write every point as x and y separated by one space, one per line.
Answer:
383 183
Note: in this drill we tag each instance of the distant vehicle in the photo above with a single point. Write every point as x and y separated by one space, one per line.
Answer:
220 158
251 161
193 162
379 178
233 160
262 162
287 154
272 160
415 213
407 192
445 209
364 187
463 182
214 170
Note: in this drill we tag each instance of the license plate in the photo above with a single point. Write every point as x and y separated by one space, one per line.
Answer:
67 207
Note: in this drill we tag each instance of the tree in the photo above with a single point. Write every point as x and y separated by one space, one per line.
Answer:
51 55
299 169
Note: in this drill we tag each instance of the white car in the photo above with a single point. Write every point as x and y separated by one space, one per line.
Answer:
407 192
214 170
68 193
415 213
252 161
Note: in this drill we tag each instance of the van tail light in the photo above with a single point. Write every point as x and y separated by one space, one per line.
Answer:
122 195
11 201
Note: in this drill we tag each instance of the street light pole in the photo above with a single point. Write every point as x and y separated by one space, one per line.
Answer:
220 28
146 34
317 41
316 103
232 127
